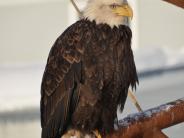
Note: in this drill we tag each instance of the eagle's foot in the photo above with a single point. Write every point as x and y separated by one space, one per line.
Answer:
97 134
73 134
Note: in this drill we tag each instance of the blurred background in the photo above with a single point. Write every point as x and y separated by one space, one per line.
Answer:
28 29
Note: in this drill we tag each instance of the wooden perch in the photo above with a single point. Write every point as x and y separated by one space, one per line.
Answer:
148 124
179 3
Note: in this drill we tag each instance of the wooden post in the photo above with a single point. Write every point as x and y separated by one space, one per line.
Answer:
150 122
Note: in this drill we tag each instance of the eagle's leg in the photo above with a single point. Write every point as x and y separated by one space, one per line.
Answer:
97 134
73 133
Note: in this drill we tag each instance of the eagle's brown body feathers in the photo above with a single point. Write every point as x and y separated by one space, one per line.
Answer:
88 73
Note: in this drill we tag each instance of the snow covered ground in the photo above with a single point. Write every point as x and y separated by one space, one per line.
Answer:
20 90
20 87
151 58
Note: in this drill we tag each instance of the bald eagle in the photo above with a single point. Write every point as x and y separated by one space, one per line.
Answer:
89 70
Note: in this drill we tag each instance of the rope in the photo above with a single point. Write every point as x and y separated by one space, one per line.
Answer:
134 100
76 8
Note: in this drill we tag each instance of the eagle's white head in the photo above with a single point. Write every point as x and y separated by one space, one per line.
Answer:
111 12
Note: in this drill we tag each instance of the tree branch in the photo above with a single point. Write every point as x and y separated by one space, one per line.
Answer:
179 3
149 123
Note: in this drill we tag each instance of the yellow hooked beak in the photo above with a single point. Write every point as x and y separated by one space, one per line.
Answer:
123 10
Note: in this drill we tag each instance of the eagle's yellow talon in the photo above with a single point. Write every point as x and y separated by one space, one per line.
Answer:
97 134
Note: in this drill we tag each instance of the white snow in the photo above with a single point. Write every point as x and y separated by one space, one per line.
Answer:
146 114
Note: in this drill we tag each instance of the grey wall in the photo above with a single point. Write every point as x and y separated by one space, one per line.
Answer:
28 31
160 24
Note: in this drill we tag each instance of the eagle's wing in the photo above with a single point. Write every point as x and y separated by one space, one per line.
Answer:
60 83
129 68
128 71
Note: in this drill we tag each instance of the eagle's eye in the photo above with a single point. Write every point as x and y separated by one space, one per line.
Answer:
113 6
